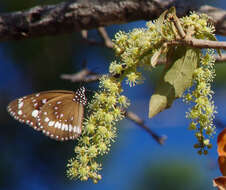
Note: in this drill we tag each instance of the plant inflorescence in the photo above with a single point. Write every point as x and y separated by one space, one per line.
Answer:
137 48
203 109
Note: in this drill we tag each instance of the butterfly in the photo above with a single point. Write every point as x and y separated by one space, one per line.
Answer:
57 113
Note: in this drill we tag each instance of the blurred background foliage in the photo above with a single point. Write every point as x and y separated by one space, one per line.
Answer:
173 174
29 160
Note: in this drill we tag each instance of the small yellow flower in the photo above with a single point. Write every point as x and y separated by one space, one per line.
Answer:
109 118
95 166
101 97
118 115
102 130
84 172
92 151
90 128
193 126
123 101
86 140
111 101
188 97
102 147
132 78
110 135
115 68
84 159
194 114
206 142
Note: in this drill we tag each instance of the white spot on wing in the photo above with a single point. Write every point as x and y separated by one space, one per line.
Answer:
44 101
51 123
46 120
34 113
79 130
57 125
20 105
70 128
20 112
64 127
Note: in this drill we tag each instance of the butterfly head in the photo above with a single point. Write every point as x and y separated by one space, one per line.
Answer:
80 96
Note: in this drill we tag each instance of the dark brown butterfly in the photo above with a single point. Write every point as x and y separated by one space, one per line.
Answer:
57 113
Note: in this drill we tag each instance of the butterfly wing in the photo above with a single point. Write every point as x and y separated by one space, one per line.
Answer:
61 118
27 108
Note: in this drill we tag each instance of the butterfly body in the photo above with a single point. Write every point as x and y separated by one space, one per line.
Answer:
57 113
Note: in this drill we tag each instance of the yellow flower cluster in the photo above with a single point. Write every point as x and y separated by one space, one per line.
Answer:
198 24
99 130
135 49
203 110
138 46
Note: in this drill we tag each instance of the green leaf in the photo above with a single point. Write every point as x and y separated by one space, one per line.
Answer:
172 10
175 80
160 22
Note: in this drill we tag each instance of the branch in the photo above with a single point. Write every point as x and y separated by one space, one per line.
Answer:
68 17
103 34
198 43
84 75
135 118
221 58
107 40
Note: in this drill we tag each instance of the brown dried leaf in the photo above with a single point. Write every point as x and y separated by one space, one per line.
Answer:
221 149
220 183
222 164
221 143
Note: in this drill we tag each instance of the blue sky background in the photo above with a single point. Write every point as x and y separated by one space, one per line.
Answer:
29 160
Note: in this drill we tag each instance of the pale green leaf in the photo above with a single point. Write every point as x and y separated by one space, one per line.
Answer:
175 80
160 22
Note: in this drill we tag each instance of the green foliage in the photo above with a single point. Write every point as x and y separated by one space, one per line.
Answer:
171 174
175 80
144 47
